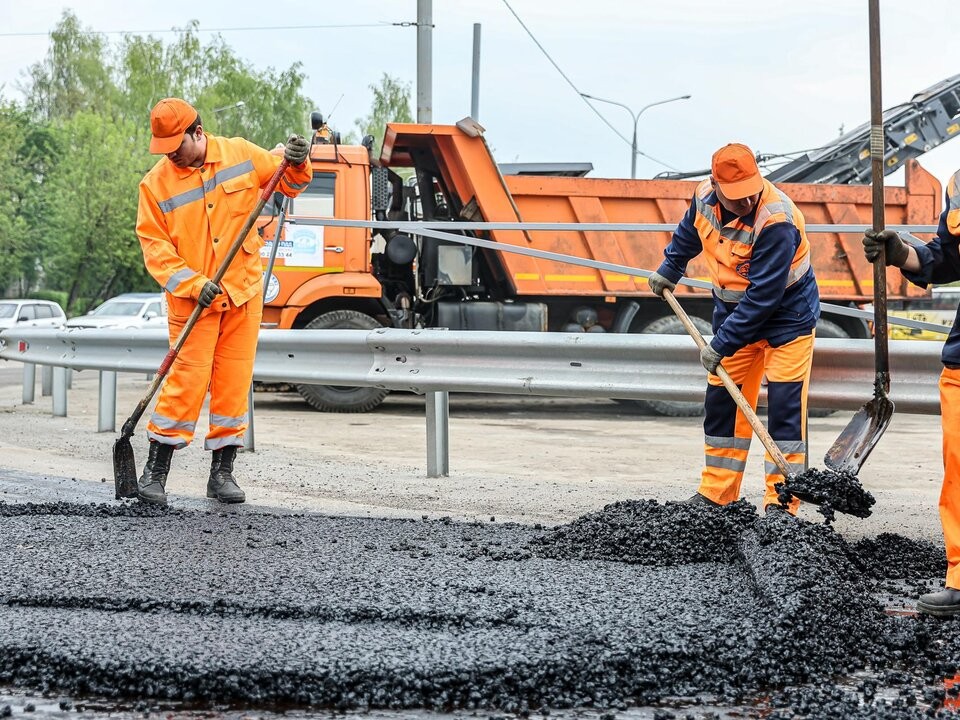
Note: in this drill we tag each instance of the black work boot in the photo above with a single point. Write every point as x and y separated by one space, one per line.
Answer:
942 604
698 499
152 485
222 485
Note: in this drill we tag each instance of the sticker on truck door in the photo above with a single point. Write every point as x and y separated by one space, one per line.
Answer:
273 289
302 246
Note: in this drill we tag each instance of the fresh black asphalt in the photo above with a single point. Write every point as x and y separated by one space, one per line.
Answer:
636 603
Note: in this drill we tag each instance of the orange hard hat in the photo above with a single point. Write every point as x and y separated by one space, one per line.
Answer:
169 120
735 170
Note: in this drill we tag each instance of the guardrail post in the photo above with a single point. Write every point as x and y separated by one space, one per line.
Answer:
107 407
46 381
29 382
69 378
59 392
249 443
438 434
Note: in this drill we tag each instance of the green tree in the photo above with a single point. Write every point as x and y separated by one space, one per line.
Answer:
25 151
391 103
89 247
212 77
75 76
74 154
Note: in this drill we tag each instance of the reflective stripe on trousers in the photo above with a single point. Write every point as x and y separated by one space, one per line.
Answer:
727 433
218 354
950 492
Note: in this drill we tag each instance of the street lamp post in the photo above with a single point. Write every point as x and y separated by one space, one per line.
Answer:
636 117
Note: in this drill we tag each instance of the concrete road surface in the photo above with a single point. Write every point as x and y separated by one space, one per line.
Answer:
524 459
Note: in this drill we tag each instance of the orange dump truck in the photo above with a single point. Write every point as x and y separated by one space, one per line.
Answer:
336 277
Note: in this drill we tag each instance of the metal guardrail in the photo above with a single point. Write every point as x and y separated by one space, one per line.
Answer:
589 365
440 231
435 362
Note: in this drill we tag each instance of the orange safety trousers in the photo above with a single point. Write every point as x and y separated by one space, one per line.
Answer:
950 491
727 433
219 354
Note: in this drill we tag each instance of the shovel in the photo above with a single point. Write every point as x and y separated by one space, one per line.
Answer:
124 463
861 435
829 489
748 412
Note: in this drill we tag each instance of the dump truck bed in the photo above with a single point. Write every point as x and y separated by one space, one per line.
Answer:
467 170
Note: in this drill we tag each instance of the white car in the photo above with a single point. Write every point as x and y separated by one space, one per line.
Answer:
127 311
30 313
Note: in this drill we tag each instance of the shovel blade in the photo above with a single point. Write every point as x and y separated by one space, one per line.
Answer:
853 446
124 469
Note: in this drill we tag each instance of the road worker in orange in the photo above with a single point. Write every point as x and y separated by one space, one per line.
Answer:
766 306
937 262
193 204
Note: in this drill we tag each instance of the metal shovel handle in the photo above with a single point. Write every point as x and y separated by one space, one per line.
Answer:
768 442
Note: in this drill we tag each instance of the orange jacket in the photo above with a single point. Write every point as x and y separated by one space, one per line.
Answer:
188 218
726 264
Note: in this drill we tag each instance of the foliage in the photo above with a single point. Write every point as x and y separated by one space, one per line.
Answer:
213 78
391 103
74 153
25 149
89 247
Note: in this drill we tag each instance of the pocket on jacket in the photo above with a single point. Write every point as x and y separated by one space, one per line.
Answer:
240 194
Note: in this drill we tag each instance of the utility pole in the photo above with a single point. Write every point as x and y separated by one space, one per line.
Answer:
424 61
475 85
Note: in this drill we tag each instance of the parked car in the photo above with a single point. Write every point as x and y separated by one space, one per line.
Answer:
127 311
30 313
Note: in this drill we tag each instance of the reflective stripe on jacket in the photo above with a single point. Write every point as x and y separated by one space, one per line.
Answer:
764 286
188 218
729 247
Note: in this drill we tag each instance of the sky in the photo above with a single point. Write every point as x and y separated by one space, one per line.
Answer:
778 75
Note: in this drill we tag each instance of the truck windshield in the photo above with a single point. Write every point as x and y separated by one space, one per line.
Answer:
317 199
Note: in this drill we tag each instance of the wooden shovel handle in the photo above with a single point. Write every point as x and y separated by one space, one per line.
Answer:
731 386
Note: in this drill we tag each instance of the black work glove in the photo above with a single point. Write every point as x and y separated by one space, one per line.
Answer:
207 293
296 149
897 250
658 283
710 359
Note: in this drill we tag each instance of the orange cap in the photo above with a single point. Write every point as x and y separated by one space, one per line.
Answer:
169 120
735 171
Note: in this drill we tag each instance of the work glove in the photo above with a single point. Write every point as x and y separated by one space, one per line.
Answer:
296 149
658 283
207 293
710 359
897 250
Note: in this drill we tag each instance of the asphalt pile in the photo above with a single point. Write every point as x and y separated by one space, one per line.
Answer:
639 604
831 491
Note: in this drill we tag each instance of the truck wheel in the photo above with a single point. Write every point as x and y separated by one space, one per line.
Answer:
826 329
337 398
671 325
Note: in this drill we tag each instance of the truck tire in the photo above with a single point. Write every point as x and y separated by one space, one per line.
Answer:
337 398
671 325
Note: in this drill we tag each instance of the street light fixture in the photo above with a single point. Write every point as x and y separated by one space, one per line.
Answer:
636 117
237 104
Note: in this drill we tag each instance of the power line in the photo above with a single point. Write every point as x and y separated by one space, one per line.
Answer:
577 90
225 29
